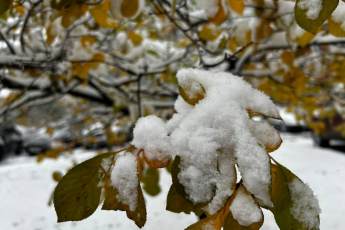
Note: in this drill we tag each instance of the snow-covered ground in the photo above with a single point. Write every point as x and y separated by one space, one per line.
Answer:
25 188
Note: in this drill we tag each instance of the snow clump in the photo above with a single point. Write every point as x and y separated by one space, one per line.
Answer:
213 136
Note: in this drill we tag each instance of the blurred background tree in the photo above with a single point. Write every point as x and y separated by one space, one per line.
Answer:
81 72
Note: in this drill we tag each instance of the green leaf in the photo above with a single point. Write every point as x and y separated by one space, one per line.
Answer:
111 203
78 193
5 5
282 199
150 179
312 25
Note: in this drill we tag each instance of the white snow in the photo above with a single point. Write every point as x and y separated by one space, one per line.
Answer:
244 208
295 31
226 178
312 7
25 187
305 206
199 8
338 14
264 133
151 134
218 126
124 178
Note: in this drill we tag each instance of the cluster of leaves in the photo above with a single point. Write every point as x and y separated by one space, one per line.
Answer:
87 185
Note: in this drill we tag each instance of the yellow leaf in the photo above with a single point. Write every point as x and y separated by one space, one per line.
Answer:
12 97
232 44
129 8
87 40
193 98
221 15
100 15
335 28
263 30
288 57
237 6
305 39
135 38
80 71
57 176
208 33
72 13
98 57
20 9
51 35
50 130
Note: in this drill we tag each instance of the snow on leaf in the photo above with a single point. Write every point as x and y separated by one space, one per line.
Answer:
295 206
244 208
312 7
177 200
226 183
124 177
111 202
266 135
305 207
311 14
215 129
336 24
122 189
151 134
